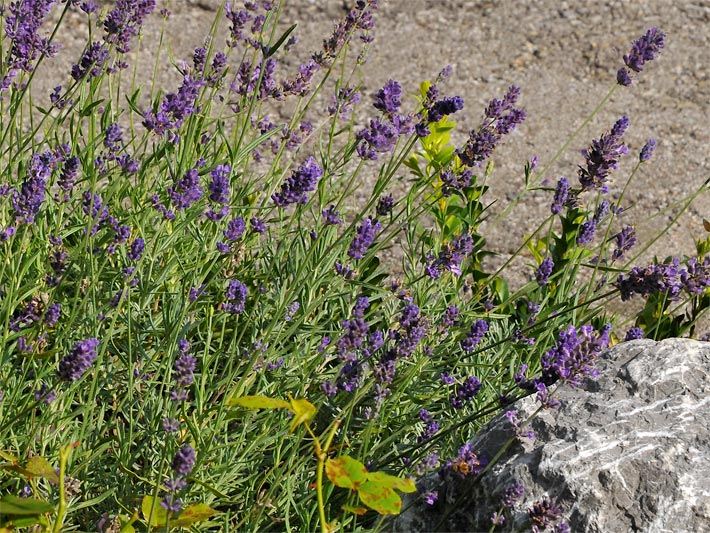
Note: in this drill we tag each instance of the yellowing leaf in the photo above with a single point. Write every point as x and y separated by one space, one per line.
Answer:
346 472
39 467
303 412
259 402
392 482
355 510
382 499
153 512
193 514
9 457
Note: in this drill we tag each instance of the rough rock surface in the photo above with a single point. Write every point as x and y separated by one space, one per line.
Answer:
629 453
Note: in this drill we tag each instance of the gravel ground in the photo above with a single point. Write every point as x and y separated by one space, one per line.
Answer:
564 55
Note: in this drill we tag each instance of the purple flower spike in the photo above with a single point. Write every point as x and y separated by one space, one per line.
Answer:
301 182
603 156
79 360
543 272
364 237
561 196
389 98
647 150
184 460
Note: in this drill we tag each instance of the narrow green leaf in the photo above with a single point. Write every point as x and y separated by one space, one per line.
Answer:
273 49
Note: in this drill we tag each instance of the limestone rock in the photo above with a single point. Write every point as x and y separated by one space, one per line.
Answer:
629 453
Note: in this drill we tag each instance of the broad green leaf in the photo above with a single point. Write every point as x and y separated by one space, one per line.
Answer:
259 402
153 512
382 499
193 514
39 467
346 472
303 412
392 482
13 505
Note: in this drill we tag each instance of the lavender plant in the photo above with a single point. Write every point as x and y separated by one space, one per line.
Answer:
175 264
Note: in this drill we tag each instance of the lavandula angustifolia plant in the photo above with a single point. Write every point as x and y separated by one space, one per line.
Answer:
253 252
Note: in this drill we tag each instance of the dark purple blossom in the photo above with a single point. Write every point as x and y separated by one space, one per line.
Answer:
625 240
385 205
451 316
22 29
91 63
331 217
219 184
466 463
544 271
465 392
301 182
136 250
543 514
645 48
453 181
475 335
561 198
587 231
655 278
79 360
431 426
573 357
184 461
364 237
603 156
170 425
45 394
446 106
502 117
235 229
52 315
647 151
174 109
634 334
451 256
258 225
125 20
236 296
389 98
67 178
513 494
380 136
187 190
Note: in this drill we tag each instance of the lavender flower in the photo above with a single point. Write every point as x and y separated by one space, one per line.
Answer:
446 106
543 514
634 334
67 178
625 240
236 296
27 201
113 138
385 205
184 370
655 278
136 251
573 356
331 217
603 156
174 109
45 394
258 225
431 426
465 392
125 20
91 63
451 256
187 190
430 497
380 136
389 98
587 231
79 360
235 229
475 335
184 461
364 237
645 48
52 315
561 196
22 29
513 494
455 182
543 272
647 151
466 463
219 184
451 316
502 117
170 425
302 181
